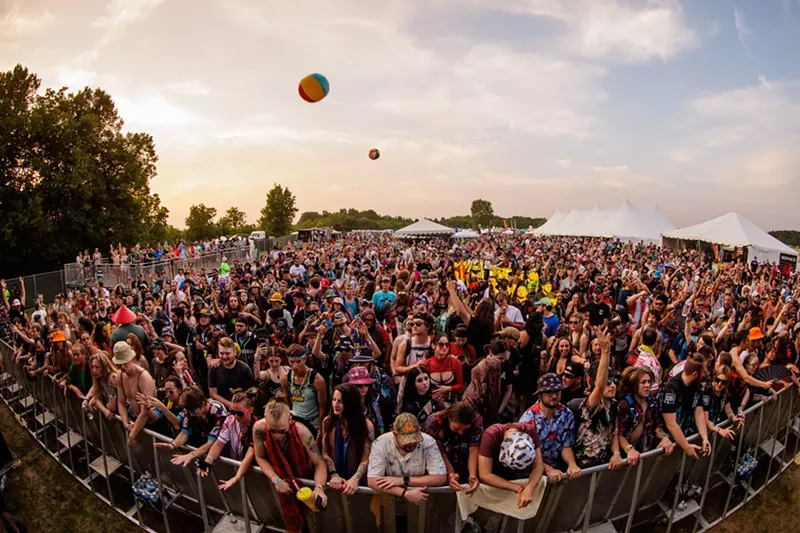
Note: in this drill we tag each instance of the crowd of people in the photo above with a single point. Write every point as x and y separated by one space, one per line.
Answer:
365 361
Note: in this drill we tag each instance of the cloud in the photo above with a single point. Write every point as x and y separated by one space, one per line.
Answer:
563 163
190 88
120 13
741 26
154 110
617 30
16 24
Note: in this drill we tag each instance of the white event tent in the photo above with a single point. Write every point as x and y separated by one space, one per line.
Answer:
424 229
734 229
627 222
466 234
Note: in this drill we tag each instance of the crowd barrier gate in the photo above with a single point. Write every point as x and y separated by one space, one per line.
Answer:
96 452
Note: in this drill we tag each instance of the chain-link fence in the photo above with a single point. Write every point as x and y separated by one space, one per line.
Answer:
48 285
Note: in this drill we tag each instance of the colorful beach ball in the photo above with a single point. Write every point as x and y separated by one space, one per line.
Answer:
313 88
374 154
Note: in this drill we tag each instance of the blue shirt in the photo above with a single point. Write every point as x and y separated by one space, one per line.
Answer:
552 322
555 434
381 299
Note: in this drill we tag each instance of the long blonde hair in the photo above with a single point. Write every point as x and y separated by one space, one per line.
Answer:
102 384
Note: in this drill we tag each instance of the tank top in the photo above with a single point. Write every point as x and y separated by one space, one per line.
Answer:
304 398
418 352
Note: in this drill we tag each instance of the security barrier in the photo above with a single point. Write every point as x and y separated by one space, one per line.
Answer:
96 452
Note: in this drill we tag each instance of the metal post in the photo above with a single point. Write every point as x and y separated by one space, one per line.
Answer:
69 436
708 481
133 480
755 448
774 439
732 481
35 291
160 486
617 494
788 430
55 411
202 502
85 440
346 512
635 497
422 518
587 512
104 453
245 505
677 493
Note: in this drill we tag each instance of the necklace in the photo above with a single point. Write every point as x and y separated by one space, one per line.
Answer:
297 391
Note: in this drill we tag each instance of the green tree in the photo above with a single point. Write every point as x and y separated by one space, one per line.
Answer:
351 219
70 179
278 213
787 236
200 223
232 222
482 213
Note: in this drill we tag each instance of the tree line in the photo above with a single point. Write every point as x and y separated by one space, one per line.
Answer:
788 237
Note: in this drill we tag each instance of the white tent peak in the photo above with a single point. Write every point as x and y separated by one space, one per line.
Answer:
423 227
731 229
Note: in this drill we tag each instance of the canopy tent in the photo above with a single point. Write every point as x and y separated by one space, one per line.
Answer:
734 229
466 234
625 223
424 229
552 222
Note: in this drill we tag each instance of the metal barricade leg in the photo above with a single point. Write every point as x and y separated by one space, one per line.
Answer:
708 481
747 496
133 480
677 493
587 513
245 505
160 486
635 497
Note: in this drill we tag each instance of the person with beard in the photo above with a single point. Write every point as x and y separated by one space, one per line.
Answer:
555 425
572 380
286 452
680 400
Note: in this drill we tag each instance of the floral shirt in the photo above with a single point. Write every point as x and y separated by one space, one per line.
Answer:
554 434
595 429
630 415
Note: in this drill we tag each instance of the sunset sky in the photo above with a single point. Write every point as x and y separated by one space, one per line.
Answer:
531 104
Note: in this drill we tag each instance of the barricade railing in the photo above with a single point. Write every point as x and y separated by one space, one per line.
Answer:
95 451
85 275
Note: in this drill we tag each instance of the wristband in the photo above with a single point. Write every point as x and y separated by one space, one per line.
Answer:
628 448
174 446
211 461
616 453
406 481
404 493
276 481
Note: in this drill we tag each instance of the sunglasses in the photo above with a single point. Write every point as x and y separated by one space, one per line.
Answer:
416 323
442 344
723 381
363 386
234 412
279 431
614 380
574 322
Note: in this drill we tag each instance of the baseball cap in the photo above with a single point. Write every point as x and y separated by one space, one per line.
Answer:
406 429
547 302
575 370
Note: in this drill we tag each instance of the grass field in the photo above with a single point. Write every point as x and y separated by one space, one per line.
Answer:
47 499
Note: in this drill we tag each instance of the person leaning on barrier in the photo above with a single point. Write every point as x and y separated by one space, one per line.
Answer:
133 379
405 462
235 438
639 424
200 422
286 451
458 431
555 423
680 401
509 452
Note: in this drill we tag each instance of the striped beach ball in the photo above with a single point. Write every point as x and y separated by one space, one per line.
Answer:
313 88
374 154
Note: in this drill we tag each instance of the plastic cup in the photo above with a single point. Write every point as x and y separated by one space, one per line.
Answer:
306 495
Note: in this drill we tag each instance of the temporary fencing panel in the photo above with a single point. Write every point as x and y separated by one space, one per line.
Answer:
600 500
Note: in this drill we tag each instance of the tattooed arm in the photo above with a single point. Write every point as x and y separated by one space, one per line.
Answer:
259 435
320 468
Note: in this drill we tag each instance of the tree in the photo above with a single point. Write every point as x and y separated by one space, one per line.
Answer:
351 219
278 213
482 213
200 223
232 222
70 179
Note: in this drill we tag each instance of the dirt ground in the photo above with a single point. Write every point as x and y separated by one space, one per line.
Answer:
47 499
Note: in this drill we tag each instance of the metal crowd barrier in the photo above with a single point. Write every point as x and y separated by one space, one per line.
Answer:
96 452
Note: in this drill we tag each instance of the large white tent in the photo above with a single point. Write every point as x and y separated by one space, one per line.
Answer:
625 223
734 229
424 229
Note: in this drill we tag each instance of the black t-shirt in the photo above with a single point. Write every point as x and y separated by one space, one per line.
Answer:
479 335
674 397
182 332
598 313
225 379
248 344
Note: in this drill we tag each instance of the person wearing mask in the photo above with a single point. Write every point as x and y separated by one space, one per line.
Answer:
556 425
405 462
680 400
509 453
286 452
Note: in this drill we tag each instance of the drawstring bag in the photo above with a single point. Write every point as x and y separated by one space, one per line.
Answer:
145 489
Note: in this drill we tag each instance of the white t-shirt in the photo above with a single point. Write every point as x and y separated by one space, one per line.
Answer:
297 271
512 313
385 459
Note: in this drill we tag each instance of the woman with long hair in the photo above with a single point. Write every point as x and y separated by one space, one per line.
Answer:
417 395
345 437
270 377
140 359
103 394
578 333
480 324
458 430
446 373
561 355
235 437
